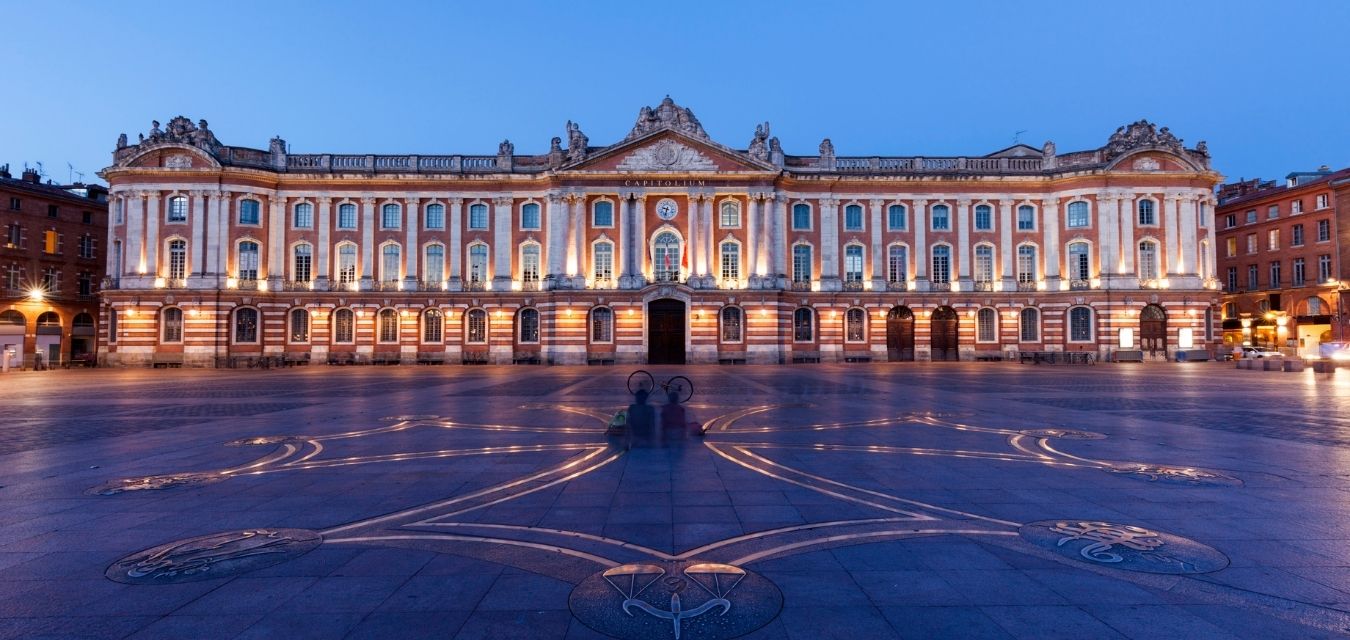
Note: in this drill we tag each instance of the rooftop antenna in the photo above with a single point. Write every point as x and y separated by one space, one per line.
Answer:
1017 136
70 171
41 172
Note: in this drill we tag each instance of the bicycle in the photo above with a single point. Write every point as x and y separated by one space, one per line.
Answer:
643 380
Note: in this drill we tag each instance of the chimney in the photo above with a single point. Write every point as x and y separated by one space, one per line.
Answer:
4 171
31 175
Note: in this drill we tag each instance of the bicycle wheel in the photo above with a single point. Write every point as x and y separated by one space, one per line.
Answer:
682 386
640 380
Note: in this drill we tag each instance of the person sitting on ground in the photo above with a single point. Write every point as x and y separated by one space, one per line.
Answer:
675 427
641 423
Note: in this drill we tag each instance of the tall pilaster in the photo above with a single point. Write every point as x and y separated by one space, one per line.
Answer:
695 238
878 275
756 202
197 254
1206 207
706 215
411 221
829 241
1006 249
1127 247
276 240
367 243
579 217
134 255
325 220
778 252
963 243
152 233
1190 267
921 245
558 245
456 232
1050 222
1108 226
1171 233
765 238
502 252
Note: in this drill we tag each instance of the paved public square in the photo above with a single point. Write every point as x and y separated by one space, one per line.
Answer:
971 500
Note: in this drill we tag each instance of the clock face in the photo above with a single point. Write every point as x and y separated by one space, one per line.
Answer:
667 209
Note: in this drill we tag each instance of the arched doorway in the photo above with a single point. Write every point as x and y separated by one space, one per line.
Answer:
665 331
11 336
82 336
943 331
1153 330
49 337
900 334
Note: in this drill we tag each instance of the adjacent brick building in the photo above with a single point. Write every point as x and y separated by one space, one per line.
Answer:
666 246
1280 261
51 264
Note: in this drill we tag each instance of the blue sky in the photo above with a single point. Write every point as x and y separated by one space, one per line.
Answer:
1263 83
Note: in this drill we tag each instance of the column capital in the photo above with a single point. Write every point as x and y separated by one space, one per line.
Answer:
145 193
369 201
1049 202
455 201
1106 196
324 200
780 198
197 193
919 202
963 202
876 202
503 201
412 202
554 198
1006 202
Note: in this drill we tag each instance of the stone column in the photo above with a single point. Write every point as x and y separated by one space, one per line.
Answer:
1171 229
412 217
963 244
276 241
1050 220
626 231
367 243
878 275
217 208
829 241
1006 248
324 222
640 239
501 237
133 255
1207 202
197 256
555 248
778 251
921 245
152 233
1107 227
709 238
1189 266
691 234
765 238
751 238
110 257
579 218
1126 247
455 248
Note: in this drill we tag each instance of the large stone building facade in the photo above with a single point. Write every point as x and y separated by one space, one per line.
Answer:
665 246
51 263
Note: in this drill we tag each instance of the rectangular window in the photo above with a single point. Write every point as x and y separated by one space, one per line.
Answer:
941 217
603 214
249 212
853 218
942 265
1230 221
478 216
1300 272
1232 279
178 209
51 279
478 262
529 216
15 204
731 262
984 325
120 213
1324 267
801 263
248 261
1251 217
731 214
13 236
391 216
853 263
897 265
1251 243
1323 230
433 265
13 277
435 216
801 217
1232 247
984 263
1322 201
1273 211
303 263
529 263
1295 207
1026 264
49 242
304 215
1252 274
346 263
52 211
604 262
1273 240
347 216
1274 275
1026 218
896 218
984 216
1078 215
1296 236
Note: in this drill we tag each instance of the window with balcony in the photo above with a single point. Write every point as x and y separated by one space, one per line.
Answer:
1080 264
897 264
602 261
248 260
984 264
853 263
433 264
801 263
302 263
529 263
391 263
1148 260
942 265
1026 264
177 259
346 263
731 262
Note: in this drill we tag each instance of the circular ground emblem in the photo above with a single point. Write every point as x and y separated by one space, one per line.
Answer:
700 600
410 418
154 483
261 441
1124 546
1188 476
219 555
1063 434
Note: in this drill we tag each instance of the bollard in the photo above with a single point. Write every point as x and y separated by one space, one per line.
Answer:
1271 364
1324 366
1293 365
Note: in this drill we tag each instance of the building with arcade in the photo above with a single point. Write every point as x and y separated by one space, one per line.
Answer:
663 247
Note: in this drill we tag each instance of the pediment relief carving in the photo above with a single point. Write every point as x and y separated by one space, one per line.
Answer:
667 155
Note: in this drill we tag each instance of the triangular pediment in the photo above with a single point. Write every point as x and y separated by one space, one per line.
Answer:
669 151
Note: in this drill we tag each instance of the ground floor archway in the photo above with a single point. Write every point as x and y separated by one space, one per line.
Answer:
944 329
666 326
900 334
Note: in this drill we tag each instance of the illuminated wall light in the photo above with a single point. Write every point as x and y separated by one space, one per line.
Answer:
159 283
231 283
262 285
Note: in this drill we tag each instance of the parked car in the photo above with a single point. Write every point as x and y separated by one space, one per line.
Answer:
1334 350
1260 352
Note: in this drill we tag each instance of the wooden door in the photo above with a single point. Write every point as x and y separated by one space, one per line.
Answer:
1153 330
944 334
665 332
900 335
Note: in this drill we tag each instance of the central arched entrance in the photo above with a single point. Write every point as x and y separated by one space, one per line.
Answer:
943 331
665 331
900 334
1153 330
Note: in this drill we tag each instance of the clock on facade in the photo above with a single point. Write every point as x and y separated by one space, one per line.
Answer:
667 209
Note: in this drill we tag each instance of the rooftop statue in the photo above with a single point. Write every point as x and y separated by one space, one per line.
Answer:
667 115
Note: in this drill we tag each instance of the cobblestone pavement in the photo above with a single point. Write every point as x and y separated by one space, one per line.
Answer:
907 500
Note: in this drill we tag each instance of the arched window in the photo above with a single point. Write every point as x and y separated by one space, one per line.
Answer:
346 216
529 262
731 261
731 214
346 263
435 216
986 325
896 217
1230 310
801 217
666 257
245 325
475 326
11 318
602 261
731 324
478 216
897 264
248 260
177 259
299 325
853 217
984 217
1077 216
388 326
171 325
602 325
1026 218
1031 325
1080 324
48 320
803 324
529 325
529 216
984 263
432 326
1146 213
855 325
602 214
853 263
433 264
178 208
391 261
1026 264
478 262
248 211
82 321
941 217
344 326
942 264
391 216
304 216
303 259
1315 306
1148 260
801 263
1080 263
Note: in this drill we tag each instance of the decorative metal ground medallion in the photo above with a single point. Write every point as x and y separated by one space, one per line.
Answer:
410 418
1063 434
259 441
695 600
153 483
218 555
1190 476
1124 546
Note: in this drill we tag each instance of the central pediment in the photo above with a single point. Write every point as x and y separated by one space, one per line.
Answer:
670 151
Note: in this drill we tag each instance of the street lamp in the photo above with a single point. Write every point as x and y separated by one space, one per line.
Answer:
36 294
